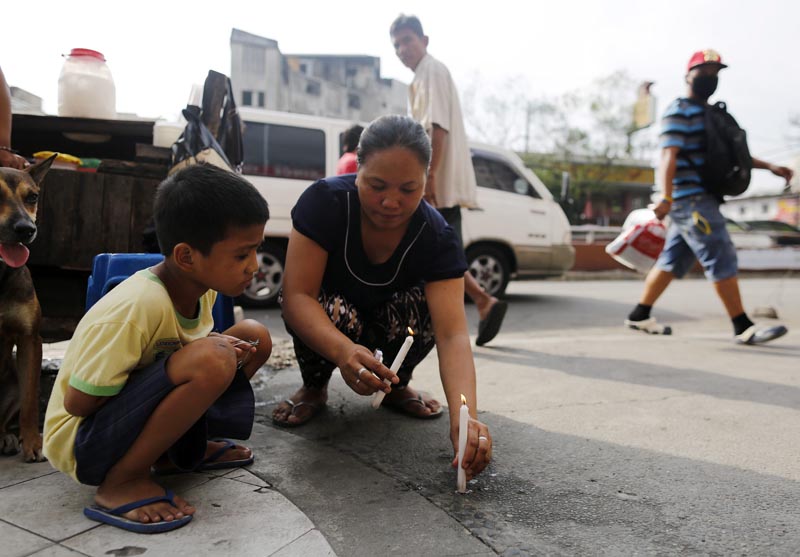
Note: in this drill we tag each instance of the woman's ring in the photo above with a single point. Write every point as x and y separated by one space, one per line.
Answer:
360 371
482 437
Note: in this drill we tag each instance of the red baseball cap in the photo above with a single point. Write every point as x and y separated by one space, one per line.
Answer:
702 57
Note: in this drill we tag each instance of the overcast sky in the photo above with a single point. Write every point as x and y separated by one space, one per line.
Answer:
156 50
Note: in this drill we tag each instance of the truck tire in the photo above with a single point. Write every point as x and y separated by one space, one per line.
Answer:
267 282
490 267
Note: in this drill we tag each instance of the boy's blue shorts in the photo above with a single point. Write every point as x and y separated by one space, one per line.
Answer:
104 437
697 231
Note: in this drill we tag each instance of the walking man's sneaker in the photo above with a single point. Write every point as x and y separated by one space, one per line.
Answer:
756 335
650 326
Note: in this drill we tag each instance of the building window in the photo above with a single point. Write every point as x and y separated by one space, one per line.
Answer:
314 88
303 68
261 99
253 60
354 101
764 208
247 98
284 152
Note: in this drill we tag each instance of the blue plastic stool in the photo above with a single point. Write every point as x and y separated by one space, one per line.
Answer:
109 269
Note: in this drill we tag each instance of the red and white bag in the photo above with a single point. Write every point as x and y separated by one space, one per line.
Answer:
638 246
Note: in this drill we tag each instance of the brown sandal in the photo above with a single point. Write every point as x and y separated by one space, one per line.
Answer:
401 406
316 408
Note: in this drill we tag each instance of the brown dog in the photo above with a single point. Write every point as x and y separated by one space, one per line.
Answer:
20 314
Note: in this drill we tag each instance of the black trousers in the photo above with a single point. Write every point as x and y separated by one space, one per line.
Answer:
385 327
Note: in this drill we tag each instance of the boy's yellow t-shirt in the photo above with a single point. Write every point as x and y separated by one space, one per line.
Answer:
128 328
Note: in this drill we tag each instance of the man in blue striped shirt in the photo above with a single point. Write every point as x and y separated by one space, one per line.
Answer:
697 228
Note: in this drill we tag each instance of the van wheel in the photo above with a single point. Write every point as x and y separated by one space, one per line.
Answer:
490 267
267 282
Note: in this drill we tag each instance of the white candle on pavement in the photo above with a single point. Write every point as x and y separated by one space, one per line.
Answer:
463 426
398 361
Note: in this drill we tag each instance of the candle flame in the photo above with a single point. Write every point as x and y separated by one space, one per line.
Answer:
410 331
463 400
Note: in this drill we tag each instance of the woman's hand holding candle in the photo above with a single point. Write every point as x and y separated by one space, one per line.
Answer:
463 427
477 451
364 372
398 361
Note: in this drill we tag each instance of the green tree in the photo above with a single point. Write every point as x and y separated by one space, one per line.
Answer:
492 110
552 134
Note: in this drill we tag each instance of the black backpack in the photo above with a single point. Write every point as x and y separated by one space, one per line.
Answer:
727 163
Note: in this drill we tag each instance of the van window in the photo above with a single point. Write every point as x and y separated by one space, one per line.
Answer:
497 175
283 151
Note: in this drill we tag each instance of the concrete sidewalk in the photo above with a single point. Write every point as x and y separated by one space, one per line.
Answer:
245 511
41 513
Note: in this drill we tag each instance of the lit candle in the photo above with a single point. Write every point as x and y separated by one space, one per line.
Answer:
398 361
463 426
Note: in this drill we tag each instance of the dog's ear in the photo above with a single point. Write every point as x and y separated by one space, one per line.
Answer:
38 170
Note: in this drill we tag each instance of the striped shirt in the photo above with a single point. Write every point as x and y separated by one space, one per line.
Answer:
683 126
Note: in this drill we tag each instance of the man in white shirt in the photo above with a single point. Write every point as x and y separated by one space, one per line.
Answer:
451 179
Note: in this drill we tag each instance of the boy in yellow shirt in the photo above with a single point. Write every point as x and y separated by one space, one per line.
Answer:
144 384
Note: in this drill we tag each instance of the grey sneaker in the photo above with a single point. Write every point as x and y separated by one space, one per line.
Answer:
759 335
650 326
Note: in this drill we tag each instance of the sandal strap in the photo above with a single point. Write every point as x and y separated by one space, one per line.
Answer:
219 452
296 405
418 400
127 507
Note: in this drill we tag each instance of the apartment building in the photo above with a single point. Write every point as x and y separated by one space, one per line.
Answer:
336 86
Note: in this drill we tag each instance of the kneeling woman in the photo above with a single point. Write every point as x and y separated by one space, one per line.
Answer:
367 258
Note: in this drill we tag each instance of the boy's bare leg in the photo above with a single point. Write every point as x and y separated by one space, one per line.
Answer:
249 330
201 372
252 330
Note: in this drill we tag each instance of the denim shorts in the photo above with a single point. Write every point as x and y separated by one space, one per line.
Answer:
697 231
104 437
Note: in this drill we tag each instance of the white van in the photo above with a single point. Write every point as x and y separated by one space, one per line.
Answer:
519 231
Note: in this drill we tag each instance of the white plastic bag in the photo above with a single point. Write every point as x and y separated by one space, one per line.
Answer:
638 246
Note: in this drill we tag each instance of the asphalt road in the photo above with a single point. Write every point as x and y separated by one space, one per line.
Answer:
607 441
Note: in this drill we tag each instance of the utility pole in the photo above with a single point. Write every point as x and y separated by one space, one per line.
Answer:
527 125
644 112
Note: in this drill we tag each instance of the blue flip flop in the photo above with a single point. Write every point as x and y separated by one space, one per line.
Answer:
114 517
211 463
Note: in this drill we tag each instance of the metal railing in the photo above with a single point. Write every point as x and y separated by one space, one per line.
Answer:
591 233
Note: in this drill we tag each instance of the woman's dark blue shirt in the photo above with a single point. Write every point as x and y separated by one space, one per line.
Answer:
329 212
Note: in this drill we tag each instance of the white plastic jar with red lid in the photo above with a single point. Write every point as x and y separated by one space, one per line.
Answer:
85 86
